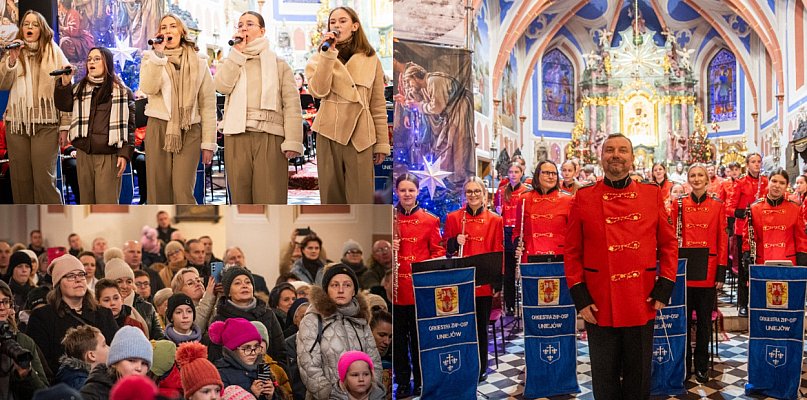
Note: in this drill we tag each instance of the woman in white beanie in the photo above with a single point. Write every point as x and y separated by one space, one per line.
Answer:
129 354
70 304
120 272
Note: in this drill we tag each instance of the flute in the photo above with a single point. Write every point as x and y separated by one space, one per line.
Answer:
396 235
752 244
463 232
521 236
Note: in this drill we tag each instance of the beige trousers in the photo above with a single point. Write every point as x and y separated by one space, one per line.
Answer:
33 165
171 177
98 181
257 169
346 176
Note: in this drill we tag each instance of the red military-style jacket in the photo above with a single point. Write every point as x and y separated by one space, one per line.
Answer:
545 221
778 231
747 190
419 235
617 231
704 225
724 192
510 213
665 187
714 185
485 234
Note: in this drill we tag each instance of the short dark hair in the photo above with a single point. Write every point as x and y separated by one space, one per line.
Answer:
733 164
104 284
140 273
85 253
188 244
407 177
34 231
779 171
79 340
380 315
748 157
617 136
310 238
256 15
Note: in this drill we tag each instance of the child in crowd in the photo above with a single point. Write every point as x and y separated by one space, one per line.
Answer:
356 378
108 295
181 313
129 354
281 378
84 347
200 379
164 370
240 343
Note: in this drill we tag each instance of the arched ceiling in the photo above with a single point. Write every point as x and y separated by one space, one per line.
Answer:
695 24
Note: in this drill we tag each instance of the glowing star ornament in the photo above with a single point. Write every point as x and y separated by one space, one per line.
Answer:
431 176
122 54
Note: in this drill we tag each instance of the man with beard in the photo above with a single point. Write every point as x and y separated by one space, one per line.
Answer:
612 221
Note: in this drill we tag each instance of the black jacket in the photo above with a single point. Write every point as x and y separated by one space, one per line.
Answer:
98 384
149 314
261 312
47 328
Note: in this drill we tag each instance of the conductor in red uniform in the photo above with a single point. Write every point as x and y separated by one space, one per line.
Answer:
747 190
778 228
618 229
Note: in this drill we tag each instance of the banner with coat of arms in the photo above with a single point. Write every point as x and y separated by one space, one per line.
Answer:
668 369
550 339
445 310
776 323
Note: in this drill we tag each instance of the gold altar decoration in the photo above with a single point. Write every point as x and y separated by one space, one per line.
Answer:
732 151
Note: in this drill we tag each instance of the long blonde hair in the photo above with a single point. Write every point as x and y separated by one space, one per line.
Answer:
45 37
184 39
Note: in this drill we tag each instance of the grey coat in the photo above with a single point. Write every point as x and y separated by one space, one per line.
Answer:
343 329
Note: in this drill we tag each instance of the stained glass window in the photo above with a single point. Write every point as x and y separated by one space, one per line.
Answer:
558 87
723 87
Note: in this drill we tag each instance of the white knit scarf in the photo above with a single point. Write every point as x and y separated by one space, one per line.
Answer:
235 119
25 108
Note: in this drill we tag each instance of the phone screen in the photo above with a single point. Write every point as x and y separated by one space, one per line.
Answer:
215 270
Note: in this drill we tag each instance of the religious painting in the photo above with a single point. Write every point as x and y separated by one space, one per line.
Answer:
722 84
481 62
10 16
639 120
558 87
509 93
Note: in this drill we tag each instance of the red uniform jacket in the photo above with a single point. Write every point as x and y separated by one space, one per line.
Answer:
616 230
419 235
747 189
485 235
704 225
778 230
714 185
665 187
724 193
546 218
510 212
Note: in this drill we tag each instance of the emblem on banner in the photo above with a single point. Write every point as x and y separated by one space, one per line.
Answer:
661 353
776 294
450 362
550 352
447 300
776 356
548 292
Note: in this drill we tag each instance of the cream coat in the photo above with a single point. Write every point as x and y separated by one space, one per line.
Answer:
353 109
155 82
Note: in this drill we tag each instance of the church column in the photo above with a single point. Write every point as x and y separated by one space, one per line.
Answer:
609 109
592 118
684 120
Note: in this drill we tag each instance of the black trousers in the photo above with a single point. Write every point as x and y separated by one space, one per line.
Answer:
620 361
509 269
702 301
742 275
405 352
483 306
139 166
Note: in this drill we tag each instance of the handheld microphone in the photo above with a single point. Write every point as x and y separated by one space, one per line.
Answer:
328 43
156 40
235 41
64 71
12 46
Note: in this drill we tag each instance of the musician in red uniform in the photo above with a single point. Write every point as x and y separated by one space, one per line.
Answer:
661 179
747 189
476 230
418 239
546 216
507 201
617 228
568 171
715 182
702 225
778 229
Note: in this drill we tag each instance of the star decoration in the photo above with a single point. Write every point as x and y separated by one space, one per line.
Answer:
122 53
431 176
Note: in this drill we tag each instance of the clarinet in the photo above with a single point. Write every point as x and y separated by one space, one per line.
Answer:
396 235
752 244
679 224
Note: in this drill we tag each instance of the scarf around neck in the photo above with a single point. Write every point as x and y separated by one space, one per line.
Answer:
235 119
118 113
25 108
176 337
183 69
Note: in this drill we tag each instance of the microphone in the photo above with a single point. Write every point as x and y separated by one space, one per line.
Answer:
64 71
157 40
13 46
235 41
328 43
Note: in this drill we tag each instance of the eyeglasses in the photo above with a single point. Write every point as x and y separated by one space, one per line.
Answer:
383 250
475 192
75 276
249 350
354 252
248 25
193 281
31 25
143 284
94 59
7 303
549 173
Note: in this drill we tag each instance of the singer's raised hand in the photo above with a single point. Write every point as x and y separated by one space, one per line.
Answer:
67 79
14 54
329 37
241 44
159 47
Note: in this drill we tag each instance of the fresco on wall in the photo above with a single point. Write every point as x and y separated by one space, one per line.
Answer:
558 87
509 93
481 62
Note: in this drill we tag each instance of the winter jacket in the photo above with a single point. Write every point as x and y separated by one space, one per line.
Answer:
297 386
73 372
170 385
99 383
149 315
262 313
343 328
205 311
301 273
14 387
47 328
232 373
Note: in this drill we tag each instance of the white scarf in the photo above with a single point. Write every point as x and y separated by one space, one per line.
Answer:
235 118
22 101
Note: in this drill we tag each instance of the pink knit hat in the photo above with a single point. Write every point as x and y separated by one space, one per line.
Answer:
235 392
63 266
233 333
349 358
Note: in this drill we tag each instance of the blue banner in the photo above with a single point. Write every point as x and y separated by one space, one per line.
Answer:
445 309
668 369
776 323
550 340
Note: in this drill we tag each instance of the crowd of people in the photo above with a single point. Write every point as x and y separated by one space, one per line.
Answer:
570 214
196 326
92 118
